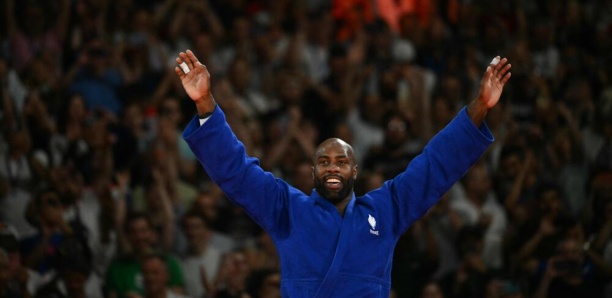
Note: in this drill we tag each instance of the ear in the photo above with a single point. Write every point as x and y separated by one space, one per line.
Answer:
313 175
355 172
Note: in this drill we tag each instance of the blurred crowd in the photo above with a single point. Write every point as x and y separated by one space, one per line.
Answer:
101 197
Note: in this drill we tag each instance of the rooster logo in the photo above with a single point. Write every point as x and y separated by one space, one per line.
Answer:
372 221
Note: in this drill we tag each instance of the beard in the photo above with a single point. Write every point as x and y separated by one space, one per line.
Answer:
335 196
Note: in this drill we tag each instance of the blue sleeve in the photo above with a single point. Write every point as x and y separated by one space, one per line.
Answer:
241 178
445 159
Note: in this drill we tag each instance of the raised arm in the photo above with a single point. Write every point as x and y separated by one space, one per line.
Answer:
224 157
450 153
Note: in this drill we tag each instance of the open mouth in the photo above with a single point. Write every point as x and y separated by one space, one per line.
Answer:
333 183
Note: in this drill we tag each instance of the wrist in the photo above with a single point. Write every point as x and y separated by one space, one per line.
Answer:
477 111
205 106
205 115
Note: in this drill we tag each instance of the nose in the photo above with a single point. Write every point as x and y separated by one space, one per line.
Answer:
333 167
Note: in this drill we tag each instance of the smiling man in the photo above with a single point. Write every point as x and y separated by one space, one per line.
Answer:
332 243
334 172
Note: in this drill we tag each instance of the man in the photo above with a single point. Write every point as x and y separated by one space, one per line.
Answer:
201 262
124 276
569 273
331 243
155 276
476 204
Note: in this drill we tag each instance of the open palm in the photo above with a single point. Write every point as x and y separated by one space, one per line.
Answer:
197 81
493 82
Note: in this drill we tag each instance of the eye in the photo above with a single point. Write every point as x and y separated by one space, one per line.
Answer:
342 162
323 162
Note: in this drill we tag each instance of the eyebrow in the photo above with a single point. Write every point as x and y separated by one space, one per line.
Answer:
329 156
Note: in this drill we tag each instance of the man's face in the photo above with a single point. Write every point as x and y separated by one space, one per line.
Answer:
154 275
141 235
75 282
270 287
195 229
334 171
511 165
50 208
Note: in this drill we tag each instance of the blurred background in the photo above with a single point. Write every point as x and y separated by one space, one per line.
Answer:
101 197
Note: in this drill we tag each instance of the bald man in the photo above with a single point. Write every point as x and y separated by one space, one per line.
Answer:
332 243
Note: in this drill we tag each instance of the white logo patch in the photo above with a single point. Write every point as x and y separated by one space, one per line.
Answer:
372 222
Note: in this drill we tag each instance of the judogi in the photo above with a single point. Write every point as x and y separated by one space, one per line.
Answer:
322 253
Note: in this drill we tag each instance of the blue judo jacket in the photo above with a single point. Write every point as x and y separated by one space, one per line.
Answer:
323 254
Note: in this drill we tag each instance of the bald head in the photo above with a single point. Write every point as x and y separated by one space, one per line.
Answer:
324 147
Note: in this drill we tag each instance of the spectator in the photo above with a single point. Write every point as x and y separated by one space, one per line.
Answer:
202 260
232 277
17 170
568 274
476 204
399 147
41 252
16 280
416 259
74 277
31 37
538 237
472 274
124 274
155 278
263 254
432 290
98 78
264 283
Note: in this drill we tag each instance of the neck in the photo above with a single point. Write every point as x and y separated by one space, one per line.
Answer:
142 251
198 248
477 199
341 206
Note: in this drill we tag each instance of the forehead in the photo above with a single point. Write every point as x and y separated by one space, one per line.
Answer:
193 220
154 262
333 149
139 223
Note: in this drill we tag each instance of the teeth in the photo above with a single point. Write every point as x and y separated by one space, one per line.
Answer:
333 180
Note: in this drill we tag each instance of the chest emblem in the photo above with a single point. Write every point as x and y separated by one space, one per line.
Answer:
372 222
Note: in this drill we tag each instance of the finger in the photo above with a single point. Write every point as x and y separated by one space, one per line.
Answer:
193 58
182 65
503 61
488 73
501 66
497 64
495 61
186 59
179 72
505 79
505 70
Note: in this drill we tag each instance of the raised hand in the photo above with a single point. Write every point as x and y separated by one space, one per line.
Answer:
491 86
493 81
196 81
